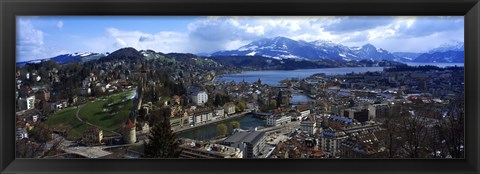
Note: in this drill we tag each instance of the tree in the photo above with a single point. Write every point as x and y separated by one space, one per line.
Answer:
41 133
452 129
160 115
240 107
36 146
222 130
392 133
28 149
162 142
279 99
235 124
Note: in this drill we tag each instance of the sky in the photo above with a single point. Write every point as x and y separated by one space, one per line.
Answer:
41 37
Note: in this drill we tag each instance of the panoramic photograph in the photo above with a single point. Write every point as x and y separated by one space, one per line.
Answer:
269 87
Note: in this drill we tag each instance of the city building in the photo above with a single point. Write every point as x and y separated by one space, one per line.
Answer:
200 116
199 149
337 122
330 141
219 113
250 143
377 110
200 97
365 145
229 108
308 126
31 115
92 136
21 133
26 103
278 120
361 115
304 110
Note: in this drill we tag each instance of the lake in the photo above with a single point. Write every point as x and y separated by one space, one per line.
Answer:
275 76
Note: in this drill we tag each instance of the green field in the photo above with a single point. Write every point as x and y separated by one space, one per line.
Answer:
65 120
93 112
113 117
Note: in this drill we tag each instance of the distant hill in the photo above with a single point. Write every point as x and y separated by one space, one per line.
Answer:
69 58
442 57
447 53
128 54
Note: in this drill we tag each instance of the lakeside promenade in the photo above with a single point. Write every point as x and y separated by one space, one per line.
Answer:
186 128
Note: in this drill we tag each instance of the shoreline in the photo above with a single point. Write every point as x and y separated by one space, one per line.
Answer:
181 130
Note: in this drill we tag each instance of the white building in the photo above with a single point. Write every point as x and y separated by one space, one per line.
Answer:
330 141
21 134
229 108
26 103
308 126
200 98
200 116
219 113
278 120
304 111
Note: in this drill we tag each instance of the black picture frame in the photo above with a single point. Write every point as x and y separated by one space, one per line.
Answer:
10 8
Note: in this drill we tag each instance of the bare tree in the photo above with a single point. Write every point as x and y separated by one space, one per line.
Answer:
452 128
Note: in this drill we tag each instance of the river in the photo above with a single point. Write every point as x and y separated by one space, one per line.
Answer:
209 131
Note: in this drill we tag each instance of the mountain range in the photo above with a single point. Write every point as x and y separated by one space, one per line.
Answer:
286 48
282 48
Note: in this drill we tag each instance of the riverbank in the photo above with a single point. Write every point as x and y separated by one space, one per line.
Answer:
211 122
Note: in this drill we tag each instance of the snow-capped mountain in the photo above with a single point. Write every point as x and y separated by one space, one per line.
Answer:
278 48
284 48
69 58
406 56
447 53
451 46
370 52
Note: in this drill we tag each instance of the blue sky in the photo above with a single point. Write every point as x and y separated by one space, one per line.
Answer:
47 36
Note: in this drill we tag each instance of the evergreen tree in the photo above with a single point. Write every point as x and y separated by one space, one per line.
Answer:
162 143
279 99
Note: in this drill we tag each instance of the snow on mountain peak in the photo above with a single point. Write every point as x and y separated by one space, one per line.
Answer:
282 47
449 46
81 54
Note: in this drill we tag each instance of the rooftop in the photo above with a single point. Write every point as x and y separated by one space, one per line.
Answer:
248 137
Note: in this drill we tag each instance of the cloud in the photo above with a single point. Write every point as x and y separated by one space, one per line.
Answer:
225 33
30 41
409 34
60 25
146 38
216 33
357 23
430 25
163 41
209 34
